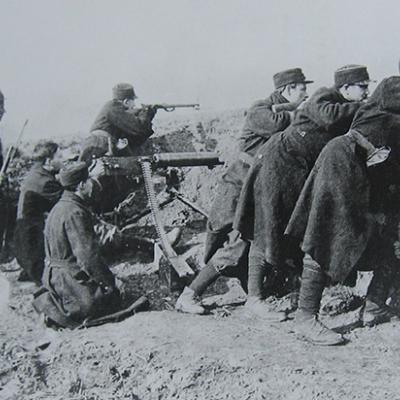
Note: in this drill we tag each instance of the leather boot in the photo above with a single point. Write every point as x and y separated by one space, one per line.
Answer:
375 311
308 327
374 314
255 305
261 309
188 303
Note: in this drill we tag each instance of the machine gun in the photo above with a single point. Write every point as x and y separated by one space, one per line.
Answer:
171 107
131 166
141 168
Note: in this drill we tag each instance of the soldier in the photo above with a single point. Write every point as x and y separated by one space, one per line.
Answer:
3 199
2 111
119 128
225 252
7 217
278 174
40 190
78 284
347 214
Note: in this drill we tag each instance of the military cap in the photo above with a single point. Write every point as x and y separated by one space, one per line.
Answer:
351 74
388 94
294 75
122 91
74 174
44 149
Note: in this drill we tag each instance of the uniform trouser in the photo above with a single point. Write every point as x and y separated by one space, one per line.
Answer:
29 247
314 280
222 213
225 252
281 278
229 260
7 223
70 296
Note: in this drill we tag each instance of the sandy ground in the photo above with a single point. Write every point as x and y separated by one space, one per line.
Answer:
168 355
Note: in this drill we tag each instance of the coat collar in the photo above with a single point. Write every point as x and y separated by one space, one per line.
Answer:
37 167
71 197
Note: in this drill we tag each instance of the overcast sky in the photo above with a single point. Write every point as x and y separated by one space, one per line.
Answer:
60 58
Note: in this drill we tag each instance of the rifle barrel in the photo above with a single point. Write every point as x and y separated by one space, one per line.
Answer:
12 149
172 107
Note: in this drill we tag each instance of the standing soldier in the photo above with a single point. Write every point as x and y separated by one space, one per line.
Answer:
278 174
2 111
4 200
78 285
347 214
225 251
39 192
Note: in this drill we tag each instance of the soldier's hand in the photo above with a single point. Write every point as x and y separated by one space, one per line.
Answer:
151 112
97 169
300 102
122 143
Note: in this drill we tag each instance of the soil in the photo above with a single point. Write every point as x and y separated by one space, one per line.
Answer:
227 354
162 354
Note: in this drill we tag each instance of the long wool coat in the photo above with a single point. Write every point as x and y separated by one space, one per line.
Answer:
79 284
347 214
281 167
39 192
260 124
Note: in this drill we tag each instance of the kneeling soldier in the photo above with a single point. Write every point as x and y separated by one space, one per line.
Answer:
77 284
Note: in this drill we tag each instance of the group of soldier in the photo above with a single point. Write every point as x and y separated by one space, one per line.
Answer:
313 190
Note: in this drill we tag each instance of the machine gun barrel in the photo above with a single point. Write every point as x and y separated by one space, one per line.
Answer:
190 159
130 166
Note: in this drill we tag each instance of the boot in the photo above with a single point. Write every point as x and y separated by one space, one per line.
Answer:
374 314
375 311
308 327
187 302
260 308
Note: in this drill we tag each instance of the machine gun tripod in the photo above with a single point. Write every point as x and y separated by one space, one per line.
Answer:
174 268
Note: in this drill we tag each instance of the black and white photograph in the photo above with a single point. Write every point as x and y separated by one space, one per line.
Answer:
199 200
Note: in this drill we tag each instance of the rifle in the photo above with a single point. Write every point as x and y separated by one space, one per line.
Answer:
171 107
12 150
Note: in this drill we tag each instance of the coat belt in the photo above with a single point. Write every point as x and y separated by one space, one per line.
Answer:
58 263
246 158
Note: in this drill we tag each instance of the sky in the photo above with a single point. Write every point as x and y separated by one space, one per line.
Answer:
60 58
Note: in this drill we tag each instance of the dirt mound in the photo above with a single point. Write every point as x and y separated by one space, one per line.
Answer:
166 355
